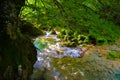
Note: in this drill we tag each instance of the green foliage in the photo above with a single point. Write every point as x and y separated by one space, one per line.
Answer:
88 17
92 4
100 31
113 55
72 38
110 10
41 12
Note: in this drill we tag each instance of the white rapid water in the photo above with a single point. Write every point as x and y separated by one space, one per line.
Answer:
55 50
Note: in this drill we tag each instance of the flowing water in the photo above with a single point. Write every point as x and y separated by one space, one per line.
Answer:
47 50
55 61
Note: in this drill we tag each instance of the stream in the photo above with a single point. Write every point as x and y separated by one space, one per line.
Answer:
47 49
55 61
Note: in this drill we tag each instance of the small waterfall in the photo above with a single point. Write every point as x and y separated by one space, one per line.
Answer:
47 33
46 50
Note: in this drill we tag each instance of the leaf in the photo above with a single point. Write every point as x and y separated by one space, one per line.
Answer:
92 4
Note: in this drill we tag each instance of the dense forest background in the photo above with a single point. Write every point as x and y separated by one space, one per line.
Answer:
97 19
21 20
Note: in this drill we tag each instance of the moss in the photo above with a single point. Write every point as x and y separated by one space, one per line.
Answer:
52 31
68 66
70 44
51 40
73 38
113 55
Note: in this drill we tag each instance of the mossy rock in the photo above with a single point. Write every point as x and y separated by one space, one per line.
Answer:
50 40
63 32
81 37
70 44
52 31
57 28
80 42
60 36
113 55
65 38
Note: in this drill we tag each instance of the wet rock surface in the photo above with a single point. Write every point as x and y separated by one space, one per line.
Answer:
89 67
94 65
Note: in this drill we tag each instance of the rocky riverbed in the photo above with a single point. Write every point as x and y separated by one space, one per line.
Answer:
94 65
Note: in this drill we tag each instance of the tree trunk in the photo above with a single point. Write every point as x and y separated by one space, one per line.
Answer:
17 53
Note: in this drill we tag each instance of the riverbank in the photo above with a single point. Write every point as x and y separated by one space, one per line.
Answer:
94 65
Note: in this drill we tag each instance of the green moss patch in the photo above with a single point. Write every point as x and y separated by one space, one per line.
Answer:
113 55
